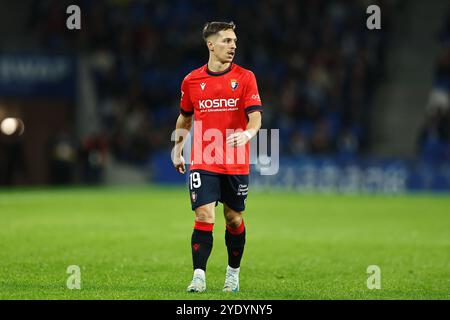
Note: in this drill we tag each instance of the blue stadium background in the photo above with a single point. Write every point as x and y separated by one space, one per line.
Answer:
99 104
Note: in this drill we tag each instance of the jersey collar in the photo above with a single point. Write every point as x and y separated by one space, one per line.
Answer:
212 73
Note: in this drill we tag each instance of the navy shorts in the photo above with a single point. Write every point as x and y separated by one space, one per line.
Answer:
206 187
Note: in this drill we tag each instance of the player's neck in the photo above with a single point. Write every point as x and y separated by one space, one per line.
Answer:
217 66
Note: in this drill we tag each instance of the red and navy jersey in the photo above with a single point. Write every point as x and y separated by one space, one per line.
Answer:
220 103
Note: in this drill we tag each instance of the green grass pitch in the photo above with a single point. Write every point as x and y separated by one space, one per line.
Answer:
134 243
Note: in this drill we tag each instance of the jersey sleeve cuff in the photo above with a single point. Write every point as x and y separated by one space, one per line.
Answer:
186 113
251 109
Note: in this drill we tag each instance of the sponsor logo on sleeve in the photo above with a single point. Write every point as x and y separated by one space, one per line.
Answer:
256 97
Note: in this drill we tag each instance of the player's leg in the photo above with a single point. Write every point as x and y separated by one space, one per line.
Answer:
201 244
234 195
234 236
204 193
235 242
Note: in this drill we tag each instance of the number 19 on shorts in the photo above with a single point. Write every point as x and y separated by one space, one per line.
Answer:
194 180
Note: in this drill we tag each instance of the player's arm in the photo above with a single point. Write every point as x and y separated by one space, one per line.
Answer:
182 127
240 138
253 109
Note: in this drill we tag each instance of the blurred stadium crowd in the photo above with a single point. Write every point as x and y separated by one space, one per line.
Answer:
434 137
317 67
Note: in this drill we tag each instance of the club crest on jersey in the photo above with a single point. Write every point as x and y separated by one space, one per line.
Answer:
234 84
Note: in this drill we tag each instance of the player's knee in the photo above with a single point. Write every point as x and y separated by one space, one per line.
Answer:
234 221
204 215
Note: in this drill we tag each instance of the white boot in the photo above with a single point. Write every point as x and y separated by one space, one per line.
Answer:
198 283
231 280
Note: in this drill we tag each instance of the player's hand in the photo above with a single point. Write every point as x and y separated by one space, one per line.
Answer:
179 164
237 139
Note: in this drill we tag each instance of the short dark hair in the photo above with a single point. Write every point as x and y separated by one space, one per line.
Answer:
214 27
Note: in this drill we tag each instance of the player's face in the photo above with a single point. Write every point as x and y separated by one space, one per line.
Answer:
223 45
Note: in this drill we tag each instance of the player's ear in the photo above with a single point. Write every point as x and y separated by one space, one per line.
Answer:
210 45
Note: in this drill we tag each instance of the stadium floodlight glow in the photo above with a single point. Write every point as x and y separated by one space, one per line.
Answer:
9 126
